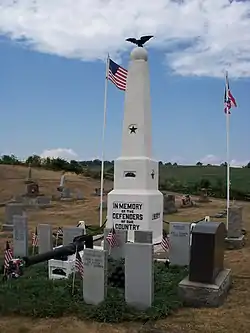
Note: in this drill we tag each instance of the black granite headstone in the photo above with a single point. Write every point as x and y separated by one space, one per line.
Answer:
207 251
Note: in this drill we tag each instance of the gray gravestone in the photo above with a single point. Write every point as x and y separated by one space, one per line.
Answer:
66 193
116 252
139 275
43 200
234 222
69 233
20 236
179 239
95 276
45 240
145 237
12 209
79 195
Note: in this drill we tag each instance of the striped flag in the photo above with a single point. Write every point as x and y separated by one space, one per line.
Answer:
79 264
8 255
112 238
165 241
34 239
117 75
229 100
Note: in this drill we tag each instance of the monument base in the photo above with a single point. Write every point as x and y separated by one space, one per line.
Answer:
197 294
235 243
7 227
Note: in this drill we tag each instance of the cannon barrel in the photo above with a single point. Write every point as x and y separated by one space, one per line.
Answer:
61 252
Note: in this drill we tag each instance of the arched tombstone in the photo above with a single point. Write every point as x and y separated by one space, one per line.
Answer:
208 282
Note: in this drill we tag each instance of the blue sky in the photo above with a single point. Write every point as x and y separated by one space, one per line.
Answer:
51 97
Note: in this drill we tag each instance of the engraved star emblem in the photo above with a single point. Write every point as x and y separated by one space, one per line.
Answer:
153 174
133 129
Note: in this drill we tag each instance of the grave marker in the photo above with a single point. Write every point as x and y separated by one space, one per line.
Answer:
45 240
20 236
69 233
95 276
139 275
12 209
116 252
179 238
208 282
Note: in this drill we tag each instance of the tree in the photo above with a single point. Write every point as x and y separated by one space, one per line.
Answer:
34 161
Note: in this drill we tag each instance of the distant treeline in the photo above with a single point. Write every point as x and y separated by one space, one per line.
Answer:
175 178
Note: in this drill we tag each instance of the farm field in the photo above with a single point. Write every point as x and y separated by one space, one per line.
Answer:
233 316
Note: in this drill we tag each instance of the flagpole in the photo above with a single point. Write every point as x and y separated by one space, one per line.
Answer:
227 150
103 136
228 165
74 274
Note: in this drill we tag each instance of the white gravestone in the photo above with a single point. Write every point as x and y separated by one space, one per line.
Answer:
45 239
139 275
20 236
135 202
95 276
179 239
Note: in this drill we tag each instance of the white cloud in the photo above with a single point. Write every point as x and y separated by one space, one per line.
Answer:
67 154
215 160
216 31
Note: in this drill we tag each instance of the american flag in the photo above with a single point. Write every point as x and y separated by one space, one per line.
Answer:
112 238
79 264
8 255
117 75
165 241
34 239
229 100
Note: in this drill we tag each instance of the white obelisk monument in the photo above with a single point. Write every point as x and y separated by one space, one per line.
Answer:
135 203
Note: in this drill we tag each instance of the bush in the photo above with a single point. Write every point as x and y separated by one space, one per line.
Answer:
34 295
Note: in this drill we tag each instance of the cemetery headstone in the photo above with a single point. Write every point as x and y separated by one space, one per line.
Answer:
69 233
234 222
179 239
12 209
95 276
169 204
43 200
79 195
139 275
235 237
208 282
65 193
45 240
20 236
116 252
145 237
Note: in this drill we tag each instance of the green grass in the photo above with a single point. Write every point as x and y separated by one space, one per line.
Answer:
240 177
34 295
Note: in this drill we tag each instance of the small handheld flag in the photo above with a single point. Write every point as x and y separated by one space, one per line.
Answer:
165 241
79 264
112 238
8 255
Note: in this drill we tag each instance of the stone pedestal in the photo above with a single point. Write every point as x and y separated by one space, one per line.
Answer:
197 294
136 204
235 243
